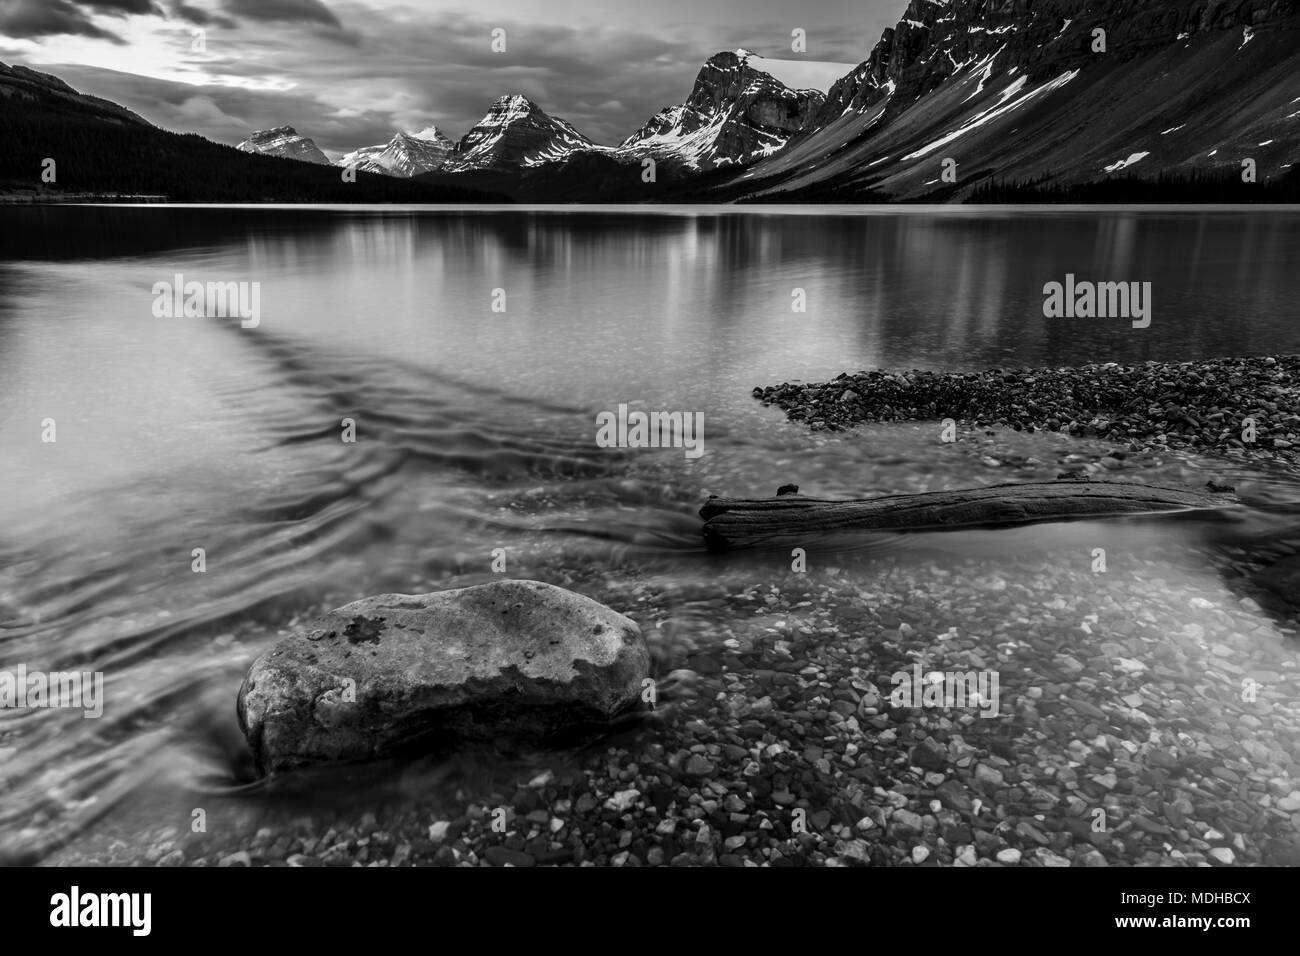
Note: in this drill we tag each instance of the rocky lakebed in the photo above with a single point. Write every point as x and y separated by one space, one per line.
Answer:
747 714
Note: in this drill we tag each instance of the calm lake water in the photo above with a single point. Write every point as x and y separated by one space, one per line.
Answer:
475 426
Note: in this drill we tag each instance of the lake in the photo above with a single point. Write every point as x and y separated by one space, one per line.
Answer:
203 492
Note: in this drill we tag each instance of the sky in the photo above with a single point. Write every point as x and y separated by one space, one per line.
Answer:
348 73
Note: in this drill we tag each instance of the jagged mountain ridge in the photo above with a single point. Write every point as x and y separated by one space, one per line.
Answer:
935 38
515 133
736 113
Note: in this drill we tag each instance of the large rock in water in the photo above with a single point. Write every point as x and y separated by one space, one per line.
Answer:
506 661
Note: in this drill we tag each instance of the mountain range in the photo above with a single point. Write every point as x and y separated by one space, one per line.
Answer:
958 98
740 109
59 144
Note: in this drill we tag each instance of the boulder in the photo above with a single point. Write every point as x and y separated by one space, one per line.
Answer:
508 662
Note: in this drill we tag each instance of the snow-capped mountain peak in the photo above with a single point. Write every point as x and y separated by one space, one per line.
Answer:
738 111
406 154
283 141
516 132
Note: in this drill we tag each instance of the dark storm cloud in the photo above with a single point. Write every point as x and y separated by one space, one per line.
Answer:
569 71
283 11
120 7
25 19
180 10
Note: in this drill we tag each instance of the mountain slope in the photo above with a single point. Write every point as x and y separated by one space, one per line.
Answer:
405 155
737 112
515 133
284 141
1014 90
20 84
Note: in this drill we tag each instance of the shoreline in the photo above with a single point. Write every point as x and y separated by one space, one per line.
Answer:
1155 406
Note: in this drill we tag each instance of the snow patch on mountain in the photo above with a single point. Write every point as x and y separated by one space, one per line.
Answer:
1004 105
1126 163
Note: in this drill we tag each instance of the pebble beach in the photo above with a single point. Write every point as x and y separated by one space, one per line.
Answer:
1204 405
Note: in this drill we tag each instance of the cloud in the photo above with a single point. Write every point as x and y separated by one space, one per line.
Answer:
180 10
121 7
25 19
36 18
405 74
217 112
283 11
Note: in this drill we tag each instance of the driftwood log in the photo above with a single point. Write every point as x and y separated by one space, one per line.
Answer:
734 523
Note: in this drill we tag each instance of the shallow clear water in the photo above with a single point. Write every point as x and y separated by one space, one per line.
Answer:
475 428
